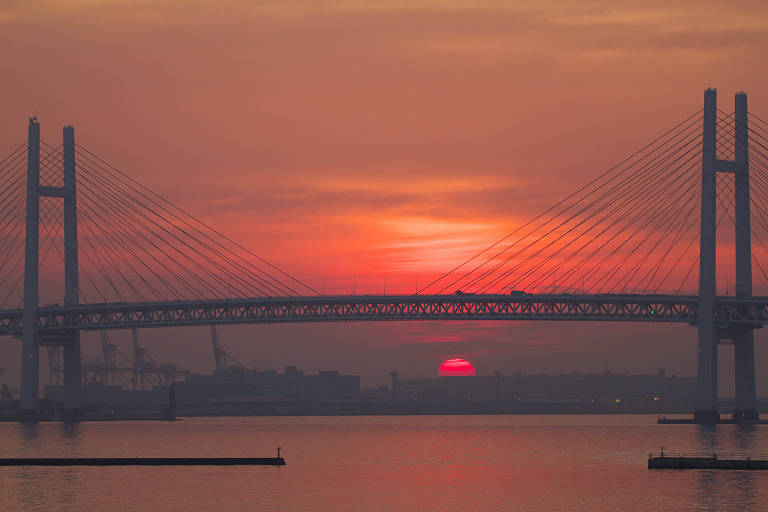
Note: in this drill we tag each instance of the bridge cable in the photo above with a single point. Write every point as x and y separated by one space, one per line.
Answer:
640 195
107 217
124 212
190 273
614 193
646 180
182 241
673 221
544 236
695 238
181 253
562 202
156 199
638 214
643 223
650 275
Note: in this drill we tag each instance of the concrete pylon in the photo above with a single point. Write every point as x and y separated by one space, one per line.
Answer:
744 339
72 389
709 334
706 379
30 345
31 340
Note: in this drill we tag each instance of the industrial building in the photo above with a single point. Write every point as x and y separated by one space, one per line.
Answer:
240 391
571 392
240 385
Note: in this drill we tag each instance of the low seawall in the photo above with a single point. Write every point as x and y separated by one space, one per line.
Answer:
144 461
712 461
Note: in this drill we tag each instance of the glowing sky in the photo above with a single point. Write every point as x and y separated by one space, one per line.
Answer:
358 142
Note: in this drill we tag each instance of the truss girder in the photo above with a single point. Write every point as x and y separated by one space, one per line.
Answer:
617 308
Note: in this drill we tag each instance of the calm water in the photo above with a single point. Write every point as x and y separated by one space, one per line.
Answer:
433 463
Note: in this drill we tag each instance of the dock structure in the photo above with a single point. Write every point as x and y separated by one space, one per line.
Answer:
663 420
706 461
143 461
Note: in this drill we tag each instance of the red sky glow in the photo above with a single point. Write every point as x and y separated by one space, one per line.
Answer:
371 146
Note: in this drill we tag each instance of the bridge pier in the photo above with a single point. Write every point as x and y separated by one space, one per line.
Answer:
72 390
742 336
31 340
30 345
744 356
706 383
744 341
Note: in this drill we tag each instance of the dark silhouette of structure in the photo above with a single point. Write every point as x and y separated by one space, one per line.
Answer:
179 271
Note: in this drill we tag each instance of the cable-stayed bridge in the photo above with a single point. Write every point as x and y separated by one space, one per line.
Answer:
635 244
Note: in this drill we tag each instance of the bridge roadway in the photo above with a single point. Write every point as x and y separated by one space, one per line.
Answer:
729 311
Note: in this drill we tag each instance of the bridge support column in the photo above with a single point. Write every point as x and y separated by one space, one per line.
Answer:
72 389
706 383
744 355
744 344
30 346
70 340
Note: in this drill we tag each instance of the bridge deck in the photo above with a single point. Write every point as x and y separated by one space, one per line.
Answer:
729 311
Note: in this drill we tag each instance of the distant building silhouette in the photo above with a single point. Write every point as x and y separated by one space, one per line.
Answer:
267 388
238 391
566 392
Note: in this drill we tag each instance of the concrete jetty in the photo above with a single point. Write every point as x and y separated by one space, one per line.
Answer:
706 461
143 461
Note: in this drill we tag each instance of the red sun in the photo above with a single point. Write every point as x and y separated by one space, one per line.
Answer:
456 368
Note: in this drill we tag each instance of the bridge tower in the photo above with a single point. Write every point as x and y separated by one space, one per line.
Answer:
31 339
710 333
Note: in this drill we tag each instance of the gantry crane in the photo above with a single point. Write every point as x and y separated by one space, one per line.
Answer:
115 367
220 356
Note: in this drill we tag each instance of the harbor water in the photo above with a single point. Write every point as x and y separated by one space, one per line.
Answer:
383 463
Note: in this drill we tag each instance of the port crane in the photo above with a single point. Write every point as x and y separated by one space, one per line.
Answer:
117 368
220 356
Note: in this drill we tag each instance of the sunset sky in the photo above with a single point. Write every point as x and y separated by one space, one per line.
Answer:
358 143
